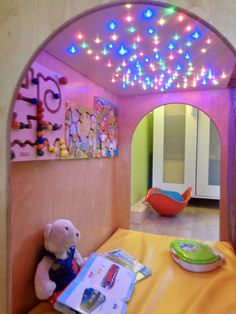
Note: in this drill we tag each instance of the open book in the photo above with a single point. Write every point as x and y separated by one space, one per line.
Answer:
102 286
123 258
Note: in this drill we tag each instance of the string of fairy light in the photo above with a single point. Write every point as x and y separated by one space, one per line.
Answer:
168 62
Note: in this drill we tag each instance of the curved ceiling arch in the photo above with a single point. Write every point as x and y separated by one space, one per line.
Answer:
145 47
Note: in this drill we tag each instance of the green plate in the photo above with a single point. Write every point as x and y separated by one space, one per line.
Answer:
194 252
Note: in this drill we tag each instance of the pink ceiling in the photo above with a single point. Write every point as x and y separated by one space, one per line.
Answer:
144 48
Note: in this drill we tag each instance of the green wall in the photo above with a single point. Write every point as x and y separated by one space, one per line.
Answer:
140 158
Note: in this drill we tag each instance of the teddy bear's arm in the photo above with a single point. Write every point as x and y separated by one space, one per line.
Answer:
44 287
79 259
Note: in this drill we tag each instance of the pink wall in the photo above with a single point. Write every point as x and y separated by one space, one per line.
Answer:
41 191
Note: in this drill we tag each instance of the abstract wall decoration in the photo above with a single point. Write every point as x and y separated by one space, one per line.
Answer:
106 128
38 116
46 126
80 131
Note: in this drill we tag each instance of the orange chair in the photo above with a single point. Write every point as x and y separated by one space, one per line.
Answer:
166 205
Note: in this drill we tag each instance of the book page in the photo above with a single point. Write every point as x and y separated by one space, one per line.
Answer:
102 286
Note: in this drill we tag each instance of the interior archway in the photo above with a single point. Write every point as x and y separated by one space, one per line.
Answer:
183 164
117 194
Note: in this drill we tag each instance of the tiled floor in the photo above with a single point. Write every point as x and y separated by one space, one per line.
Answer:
199 220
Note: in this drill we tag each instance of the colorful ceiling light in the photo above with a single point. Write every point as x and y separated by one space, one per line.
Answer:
152 47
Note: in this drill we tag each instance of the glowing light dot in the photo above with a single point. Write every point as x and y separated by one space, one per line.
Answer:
196 35
131 29
171 46
203 50
178 85
223 75
80 36
161 22
109 64
171 57
148 13
97 40
129 18
122 51
89 51
208 41
112 25
104 52
179 67
188 43
141 54
73 49
187 56
114 37
176 37
188 28
138 39
97 57
128 6
215 82
84 45
123 64
180 51
155 49
180 18
113 80
169 11
151 30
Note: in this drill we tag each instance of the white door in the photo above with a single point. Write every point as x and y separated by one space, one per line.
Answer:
174 147
208 159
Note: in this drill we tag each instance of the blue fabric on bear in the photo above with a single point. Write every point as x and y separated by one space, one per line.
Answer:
173 194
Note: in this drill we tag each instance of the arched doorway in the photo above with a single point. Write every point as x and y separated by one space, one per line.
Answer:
184 151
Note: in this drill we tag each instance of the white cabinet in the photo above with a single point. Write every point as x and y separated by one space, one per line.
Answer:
186 151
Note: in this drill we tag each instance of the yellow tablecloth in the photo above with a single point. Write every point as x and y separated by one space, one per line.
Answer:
171 289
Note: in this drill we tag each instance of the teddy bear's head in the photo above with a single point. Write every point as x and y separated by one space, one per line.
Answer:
60 235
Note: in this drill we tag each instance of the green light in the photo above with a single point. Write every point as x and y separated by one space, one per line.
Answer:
169 11
104 52
84 45
176 37
132 29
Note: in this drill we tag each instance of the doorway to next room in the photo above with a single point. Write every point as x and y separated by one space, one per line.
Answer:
174 147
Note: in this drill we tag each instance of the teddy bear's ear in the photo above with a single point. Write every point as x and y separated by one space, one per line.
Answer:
47 231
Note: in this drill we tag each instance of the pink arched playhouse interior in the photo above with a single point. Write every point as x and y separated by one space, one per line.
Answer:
45 188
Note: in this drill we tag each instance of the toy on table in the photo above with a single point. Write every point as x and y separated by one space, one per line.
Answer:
61 261
195 256
168 203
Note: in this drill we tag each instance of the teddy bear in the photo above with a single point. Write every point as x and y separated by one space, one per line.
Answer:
61 261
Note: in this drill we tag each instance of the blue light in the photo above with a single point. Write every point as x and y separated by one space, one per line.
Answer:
147 59
187 56
122 51
110 45
196 35
148 13
112 25
151 30
73 49
204 82
171 46
157 55
179 67
210 75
